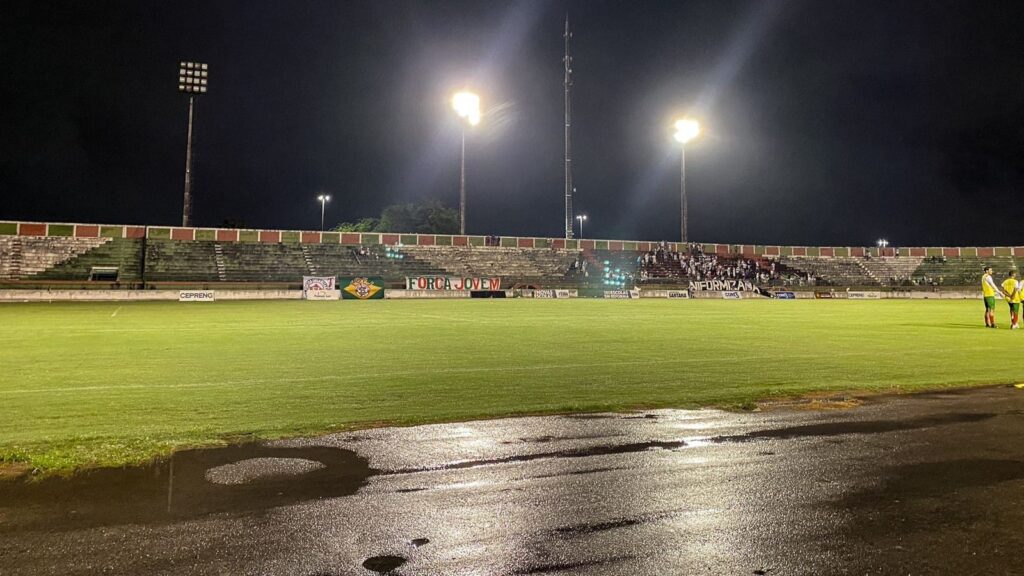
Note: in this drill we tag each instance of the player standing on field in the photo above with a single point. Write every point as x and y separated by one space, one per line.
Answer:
1012 295
988 293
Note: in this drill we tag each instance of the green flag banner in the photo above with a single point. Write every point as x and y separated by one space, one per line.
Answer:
361 288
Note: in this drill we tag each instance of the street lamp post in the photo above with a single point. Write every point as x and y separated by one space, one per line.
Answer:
467 106
192 80
582 218
324 199
686 130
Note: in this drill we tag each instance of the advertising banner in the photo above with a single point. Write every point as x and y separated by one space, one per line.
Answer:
854 295
544 294
824 295
622 294
683 294
731 295
195 296
786 295
452 283
319 288
566 293
724 285
362 288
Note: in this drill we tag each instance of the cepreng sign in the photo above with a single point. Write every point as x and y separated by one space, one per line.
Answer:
195 296
854 295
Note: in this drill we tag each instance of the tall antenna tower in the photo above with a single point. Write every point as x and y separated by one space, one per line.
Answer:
567 60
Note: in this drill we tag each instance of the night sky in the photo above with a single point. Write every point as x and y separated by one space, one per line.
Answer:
827 121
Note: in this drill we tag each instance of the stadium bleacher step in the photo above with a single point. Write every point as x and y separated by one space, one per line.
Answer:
218 253
868 272
308 259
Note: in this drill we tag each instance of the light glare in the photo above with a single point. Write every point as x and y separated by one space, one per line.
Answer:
686 130
467 105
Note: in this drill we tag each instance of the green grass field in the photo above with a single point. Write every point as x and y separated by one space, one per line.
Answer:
86 384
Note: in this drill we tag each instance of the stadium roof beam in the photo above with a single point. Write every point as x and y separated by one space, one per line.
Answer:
193 79
686 130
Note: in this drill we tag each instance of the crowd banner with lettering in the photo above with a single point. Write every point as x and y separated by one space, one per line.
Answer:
724 286
195 296
361 288
856 295
319 288
452 283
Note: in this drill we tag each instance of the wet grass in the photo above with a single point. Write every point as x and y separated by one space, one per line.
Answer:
80 386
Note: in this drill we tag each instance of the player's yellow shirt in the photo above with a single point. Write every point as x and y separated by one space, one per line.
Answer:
986 288
1009 288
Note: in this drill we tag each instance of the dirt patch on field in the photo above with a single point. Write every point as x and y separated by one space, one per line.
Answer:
13 470
814 402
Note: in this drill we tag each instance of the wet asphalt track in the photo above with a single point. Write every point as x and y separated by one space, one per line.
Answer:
927 484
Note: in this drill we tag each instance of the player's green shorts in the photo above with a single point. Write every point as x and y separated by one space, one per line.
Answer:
990 302
1014 306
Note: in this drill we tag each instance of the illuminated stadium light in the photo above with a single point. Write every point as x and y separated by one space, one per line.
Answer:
193 79
324 199
686 130
467 106
581 219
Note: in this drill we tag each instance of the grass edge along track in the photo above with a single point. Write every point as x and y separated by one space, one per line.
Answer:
108 384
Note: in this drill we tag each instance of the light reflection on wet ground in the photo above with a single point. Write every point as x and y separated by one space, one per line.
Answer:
928 484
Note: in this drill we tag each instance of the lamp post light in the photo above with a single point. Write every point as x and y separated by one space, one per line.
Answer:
192 80
882 244
686 130
324 199
467 106
582 218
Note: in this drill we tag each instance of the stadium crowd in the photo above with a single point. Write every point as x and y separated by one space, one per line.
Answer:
696 265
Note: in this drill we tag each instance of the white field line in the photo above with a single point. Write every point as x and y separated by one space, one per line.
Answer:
428 371
116 311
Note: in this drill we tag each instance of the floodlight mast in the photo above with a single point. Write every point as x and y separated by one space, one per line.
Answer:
192 80
582 218
467 106
567 83
324 199
686 130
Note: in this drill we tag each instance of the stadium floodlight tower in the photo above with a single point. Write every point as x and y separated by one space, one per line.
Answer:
467 106
882 244
686 130
324 199
581 218
192 80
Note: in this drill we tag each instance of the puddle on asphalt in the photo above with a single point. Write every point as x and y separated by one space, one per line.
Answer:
191 483
383 564
603 450
855 427
935 479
